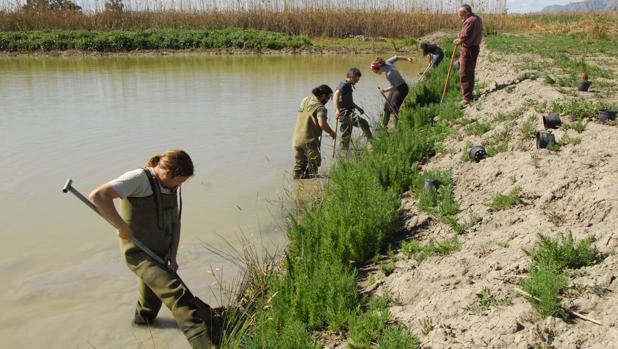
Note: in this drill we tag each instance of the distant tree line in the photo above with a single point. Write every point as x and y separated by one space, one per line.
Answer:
67 5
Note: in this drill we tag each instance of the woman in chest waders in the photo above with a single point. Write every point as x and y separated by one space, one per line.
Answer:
149 212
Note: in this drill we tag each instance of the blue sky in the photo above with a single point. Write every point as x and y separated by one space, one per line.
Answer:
519 6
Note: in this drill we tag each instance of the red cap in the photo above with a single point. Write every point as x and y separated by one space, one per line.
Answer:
374 67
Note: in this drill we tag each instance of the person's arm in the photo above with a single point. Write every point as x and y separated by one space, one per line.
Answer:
466 32
388 89
326 127
103 199
400 58
360 110
336 102
171 257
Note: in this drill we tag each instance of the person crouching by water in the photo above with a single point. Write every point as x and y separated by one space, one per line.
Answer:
398 90
310 122
345 106
149 212
433 53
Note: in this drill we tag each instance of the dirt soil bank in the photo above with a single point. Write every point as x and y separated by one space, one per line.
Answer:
571 190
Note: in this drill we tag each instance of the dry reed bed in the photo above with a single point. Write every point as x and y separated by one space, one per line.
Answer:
310 22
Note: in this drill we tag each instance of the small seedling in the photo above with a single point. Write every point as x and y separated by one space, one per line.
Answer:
579 126
527 129
387 268
504 201
485 300
503 244
426 325
553 146
420 253
566 139
557 219
536 160
478 128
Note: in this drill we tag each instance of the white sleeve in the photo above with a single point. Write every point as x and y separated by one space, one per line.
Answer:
133 183
391 60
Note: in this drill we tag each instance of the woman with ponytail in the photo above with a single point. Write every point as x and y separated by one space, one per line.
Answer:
149 212
398 89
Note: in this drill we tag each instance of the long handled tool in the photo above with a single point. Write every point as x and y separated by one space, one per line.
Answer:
448 76
389 104
335 139
69 188
425 72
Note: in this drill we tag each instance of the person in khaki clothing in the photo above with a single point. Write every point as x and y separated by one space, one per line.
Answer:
310 122
149 212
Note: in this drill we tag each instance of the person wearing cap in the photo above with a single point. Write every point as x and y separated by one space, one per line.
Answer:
345 107
149 211
433 53
470 39
310 122
398 89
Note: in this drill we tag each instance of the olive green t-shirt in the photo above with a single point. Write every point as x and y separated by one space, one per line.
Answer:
307 128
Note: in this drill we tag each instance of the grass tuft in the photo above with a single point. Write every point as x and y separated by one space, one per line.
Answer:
504 201
414 249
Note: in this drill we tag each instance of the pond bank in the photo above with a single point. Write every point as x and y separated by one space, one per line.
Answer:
464 295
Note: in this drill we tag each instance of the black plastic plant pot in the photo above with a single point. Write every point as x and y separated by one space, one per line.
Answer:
544 139
583 86
431 184
606 115
552 121
477 153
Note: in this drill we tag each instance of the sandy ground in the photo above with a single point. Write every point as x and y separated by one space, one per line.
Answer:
577 183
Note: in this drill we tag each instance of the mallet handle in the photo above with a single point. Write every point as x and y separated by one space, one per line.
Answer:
69 188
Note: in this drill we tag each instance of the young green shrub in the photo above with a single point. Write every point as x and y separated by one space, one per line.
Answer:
504 201
579 126
387 268
398 337
566 139
478 128
367 327
419 252
563 253
546 284
441 201
527 129
548 278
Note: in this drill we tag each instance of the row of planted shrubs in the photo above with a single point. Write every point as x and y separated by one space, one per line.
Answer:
317 288
151 39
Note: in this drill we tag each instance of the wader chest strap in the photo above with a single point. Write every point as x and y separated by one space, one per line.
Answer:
156 192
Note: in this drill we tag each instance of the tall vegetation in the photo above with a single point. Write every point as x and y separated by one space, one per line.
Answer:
316 19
